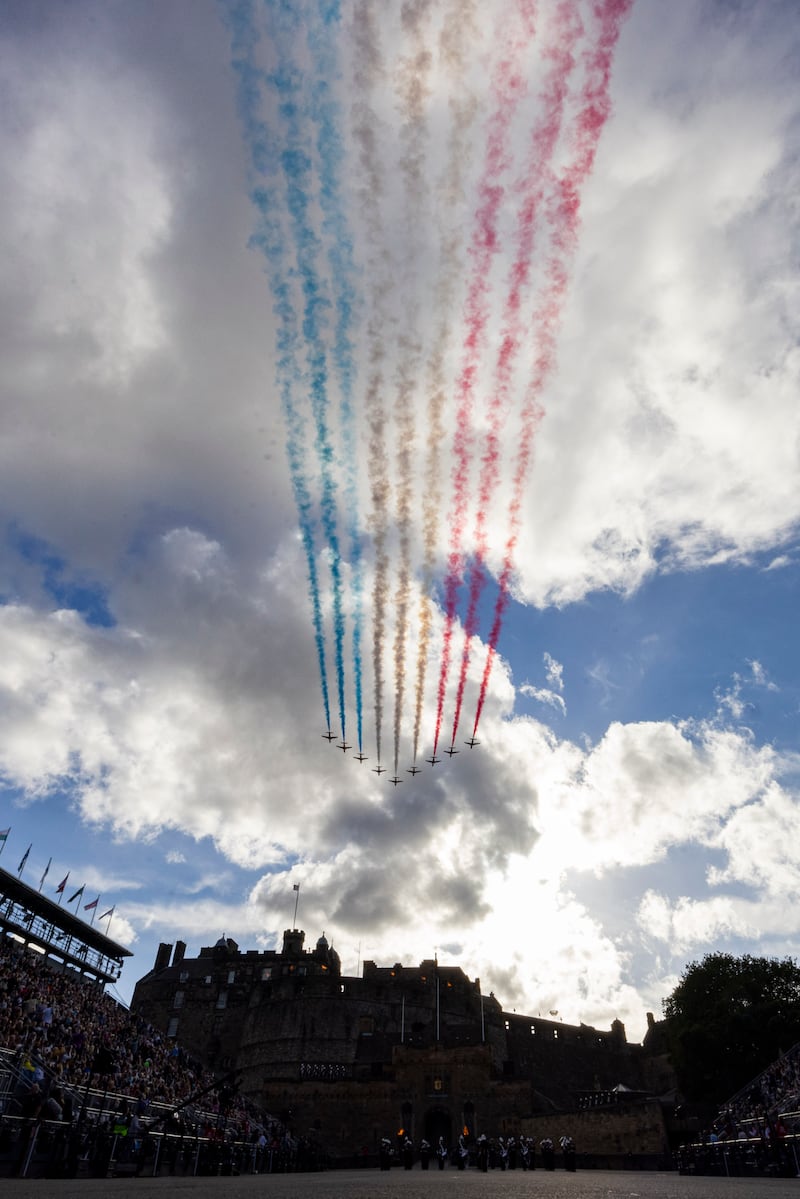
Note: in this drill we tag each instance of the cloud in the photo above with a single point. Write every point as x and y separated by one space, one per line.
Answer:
760 678
555 672
544 696
549 695
188 726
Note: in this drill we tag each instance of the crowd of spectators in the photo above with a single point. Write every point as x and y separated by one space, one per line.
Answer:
766 1105
754 1133
61 1036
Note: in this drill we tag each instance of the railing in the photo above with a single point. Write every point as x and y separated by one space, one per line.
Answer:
759 1157
32 1147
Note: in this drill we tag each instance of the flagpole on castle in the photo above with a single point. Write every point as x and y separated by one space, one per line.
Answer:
4 837
296 889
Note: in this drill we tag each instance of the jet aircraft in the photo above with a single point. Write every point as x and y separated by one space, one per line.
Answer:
451 751
472 743
433 759
414 769
359 757
329 736
395 780
344 747
379 769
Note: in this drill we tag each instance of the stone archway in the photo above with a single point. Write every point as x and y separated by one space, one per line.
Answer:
438 1123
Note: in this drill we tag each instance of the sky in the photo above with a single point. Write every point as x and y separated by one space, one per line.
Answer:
420 372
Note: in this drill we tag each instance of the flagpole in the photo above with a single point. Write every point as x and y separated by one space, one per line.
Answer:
44 876
296 901
24 860
4 837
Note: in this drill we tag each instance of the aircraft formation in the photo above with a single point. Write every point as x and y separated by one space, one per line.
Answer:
413 770
413 371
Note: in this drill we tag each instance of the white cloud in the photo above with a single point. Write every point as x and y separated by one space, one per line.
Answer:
544 696
555 672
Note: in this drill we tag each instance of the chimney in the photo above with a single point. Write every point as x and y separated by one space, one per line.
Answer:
180 950
163 956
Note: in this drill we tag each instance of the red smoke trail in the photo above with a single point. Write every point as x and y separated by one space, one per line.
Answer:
563 34
508 88
564 212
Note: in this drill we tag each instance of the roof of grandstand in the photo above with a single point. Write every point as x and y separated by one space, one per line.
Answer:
39 922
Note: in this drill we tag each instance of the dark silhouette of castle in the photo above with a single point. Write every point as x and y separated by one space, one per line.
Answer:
351 1059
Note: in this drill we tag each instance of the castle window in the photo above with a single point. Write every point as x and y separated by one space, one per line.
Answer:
231 977
177 999
172 1027
222 999
207 980
533 1030
508 1025
555 1034
266 973
184 977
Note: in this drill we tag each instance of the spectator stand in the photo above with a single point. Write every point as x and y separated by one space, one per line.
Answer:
757 1132
88 1088
54 932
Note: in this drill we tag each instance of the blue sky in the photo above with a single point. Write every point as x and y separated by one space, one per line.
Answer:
189 265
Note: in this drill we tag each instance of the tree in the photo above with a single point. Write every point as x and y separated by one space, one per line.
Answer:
728 1018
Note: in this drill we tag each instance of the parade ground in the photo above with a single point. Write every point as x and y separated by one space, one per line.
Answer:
415 1184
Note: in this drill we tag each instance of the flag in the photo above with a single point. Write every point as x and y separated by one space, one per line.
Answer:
110 912
295 886
62 884
77 894
88 906
24 858
4 833
44 876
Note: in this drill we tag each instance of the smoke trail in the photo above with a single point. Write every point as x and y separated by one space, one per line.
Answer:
458 31
508 88
270 239
412 89
322 41
368 71
288 83
564 216
559 50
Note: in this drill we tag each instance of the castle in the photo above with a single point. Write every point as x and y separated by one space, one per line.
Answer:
419 1049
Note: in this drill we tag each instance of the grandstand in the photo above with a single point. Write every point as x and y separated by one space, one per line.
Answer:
757 1132
89 1089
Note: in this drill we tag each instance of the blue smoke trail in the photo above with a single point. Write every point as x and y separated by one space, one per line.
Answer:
288 82
269 238
326 113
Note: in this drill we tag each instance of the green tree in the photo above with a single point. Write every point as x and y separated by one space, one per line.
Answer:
728 1018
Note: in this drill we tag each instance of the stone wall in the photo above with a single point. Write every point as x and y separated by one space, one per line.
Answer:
617 1131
